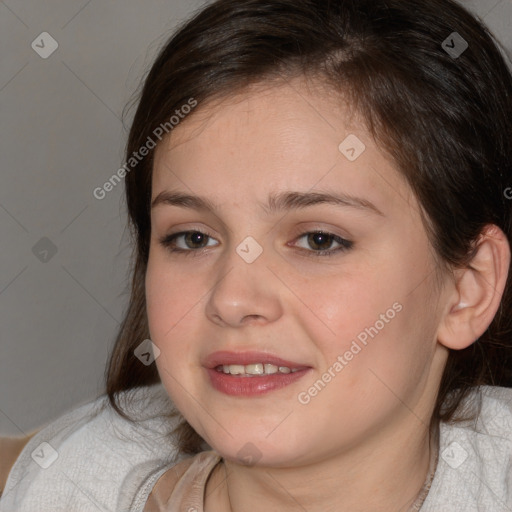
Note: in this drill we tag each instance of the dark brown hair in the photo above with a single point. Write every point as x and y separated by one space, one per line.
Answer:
445 119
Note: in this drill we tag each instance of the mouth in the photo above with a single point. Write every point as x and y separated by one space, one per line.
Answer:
251 373
251 363
255 369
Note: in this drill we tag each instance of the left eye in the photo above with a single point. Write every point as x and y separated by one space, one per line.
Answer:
321 242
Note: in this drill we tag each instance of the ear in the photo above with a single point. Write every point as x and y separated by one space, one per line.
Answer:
475 295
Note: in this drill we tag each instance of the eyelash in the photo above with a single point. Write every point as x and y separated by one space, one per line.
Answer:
169 240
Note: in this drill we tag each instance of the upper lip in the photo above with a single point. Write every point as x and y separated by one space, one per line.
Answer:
251 357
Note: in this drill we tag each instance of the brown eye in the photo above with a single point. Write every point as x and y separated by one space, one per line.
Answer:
187 241
194 238
320 243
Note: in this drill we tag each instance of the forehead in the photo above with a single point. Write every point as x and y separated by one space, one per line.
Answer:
287 136
293 108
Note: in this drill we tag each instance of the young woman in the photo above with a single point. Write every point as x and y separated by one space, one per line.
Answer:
320 196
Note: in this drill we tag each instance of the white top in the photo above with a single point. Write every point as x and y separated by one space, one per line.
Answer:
474 472
105 463
92 459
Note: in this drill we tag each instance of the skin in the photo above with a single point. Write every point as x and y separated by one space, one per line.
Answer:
362 443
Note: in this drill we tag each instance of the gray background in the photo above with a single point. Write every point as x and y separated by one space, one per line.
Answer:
61 137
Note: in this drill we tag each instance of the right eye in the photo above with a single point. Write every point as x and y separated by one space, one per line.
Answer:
186 241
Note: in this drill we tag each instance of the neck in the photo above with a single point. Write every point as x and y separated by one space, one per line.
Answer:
387 474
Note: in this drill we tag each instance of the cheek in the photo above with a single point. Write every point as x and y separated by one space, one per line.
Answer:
167 303
171 303
372 317
342 306
170 298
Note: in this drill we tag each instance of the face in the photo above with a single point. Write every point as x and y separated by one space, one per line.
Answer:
340 289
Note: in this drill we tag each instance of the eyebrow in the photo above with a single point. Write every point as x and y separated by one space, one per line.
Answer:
283 201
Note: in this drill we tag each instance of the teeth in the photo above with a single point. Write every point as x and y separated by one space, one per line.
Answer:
234 369
271 368
255 369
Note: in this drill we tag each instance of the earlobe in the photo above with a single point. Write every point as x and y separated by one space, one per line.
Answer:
477 291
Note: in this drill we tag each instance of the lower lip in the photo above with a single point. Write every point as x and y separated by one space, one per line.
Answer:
252 386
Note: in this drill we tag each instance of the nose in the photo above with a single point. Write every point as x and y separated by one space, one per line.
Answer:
244 294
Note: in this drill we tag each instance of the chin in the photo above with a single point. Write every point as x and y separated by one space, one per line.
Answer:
255 451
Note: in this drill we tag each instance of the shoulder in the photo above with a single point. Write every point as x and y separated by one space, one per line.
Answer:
165 484
180 483
82 460
10 449
475 457
496 416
